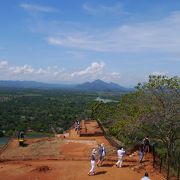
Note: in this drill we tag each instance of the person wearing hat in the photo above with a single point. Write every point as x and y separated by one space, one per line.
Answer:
93 162
102 153
146 143
121 154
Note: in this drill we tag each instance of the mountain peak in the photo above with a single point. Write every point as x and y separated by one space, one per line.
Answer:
99 85
98 80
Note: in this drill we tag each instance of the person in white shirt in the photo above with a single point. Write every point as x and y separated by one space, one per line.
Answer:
93 163
146 176
121 153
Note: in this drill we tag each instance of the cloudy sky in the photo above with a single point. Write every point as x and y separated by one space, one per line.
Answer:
73 41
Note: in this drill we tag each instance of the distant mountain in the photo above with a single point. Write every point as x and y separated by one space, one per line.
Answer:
99 85
31 85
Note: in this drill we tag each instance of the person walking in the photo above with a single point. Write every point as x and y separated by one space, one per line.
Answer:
93 163
121 153
102 153
146 143
146 176
141 153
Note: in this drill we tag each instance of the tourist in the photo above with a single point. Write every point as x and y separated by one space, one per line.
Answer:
146 176
121 154
102 153
141 153
146 143
21 138
77 124
93 163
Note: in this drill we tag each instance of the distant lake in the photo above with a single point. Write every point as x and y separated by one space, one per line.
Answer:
37 135
3 140
105 100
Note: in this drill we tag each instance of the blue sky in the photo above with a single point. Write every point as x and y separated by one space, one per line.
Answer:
73 41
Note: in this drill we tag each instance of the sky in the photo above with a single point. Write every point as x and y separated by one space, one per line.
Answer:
74 41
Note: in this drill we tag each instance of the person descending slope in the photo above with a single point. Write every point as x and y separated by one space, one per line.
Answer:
146 143
121 154
102 153
141 153
93 163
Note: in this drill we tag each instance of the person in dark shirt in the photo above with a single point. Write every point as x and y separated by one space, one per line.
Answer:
141 153
21 138
100 152
146 143
21 135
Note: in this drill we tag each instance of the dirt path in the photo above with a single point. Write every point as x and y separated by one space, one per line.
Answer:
67 170
69 160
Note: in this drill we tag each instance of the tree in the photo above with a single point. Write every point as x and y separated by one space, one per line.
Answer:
162 95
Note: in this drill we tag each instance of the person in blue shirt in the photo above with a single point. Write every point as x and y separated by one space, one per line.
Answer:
101 152
141 153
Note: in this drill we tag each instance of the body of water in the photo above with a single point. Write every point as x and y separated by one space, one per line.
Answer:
105 100
37 135
3 140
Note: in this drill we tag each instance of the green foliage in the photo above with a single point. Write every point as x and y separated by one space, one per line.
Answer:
41 110
153 109
45 110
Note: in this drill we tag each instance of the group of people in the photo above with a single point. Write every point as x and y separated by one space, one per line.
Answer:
120 153
102 152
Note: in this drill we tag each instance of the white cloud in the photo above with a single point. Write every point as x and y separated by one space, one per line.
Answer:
159 73
77 42
156 36
54 41
37 8
26 69
103 10
95 70
3 64
111 77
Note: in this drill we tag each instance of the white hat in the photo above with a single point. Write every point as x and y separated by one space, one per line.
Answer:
93 151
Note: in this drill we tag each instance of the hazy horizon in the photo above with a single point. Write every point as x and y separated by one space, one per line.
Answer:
68 83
